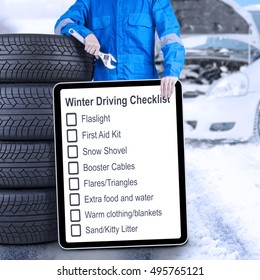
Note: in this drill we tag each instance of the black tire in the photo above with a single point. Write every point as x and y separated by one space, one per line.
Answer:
26 112
43 58
27 165
28 216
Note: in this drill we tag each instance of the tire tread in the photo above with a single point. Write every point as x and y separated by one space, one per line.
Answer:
28 216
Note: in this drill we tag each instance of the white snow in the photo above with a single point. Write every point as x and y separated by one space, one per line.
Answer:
223 202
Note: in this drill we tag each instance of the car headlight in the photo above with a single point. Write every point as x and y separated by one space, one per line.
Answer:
229 86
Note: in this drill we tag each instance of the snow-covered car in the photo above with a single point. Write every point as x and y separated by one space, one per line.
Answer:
220 99
230 109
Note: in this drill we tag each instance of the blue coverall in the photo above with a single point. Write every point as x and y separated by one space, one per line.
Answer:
126 29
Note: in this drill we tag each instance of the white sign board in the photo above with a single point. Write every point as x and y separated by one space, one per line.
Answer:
120 165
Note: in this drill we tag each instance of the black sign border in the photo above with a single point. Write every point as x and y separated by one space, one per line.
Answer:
57 91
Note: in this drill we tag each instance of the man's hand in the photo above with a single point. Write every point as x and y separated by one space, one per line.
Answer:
168 86
92 45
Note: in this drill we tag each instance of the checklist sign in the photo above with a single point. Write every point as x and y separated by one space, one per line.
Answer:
110 187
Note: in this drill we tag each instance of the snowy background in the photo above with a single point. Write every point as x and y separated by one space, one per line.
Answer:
223 181
28 16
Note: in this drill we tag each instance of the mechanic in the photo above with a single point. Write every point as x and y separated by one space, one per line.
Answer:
126 29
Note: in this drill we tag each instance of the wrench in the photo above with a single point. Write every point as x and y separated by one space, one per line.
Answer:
106 58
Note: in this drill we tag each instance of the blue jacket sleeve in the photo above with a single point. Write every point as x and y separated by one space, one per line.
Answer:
169 33
75 17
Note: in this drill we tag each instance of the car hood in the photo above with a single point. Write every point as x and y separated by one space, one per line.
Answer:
197 17
234 47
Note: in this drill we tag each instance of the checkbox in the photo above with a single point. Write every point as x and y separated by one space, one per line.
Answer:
75 216
74 199
73 168
72 151
71 119
72 135
74 184
76 230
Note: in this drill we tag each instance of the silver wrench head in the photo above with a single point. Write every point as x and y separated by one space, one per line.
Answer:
106 59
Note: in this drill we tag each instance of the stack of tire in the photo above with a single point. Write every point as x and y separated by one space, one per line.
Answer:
30 65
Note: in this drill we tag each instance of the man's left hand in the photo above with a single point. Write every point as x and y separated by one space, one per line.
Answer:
168 86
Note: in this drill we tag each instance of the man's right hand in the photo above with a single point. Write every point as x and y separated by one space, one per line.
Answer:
92 45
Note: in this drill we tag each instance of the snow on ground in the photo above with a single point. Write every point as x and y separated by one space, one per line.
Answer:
223 205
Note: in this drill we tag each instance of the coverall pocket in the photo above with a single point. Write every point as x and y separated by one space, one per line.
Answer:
141 30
